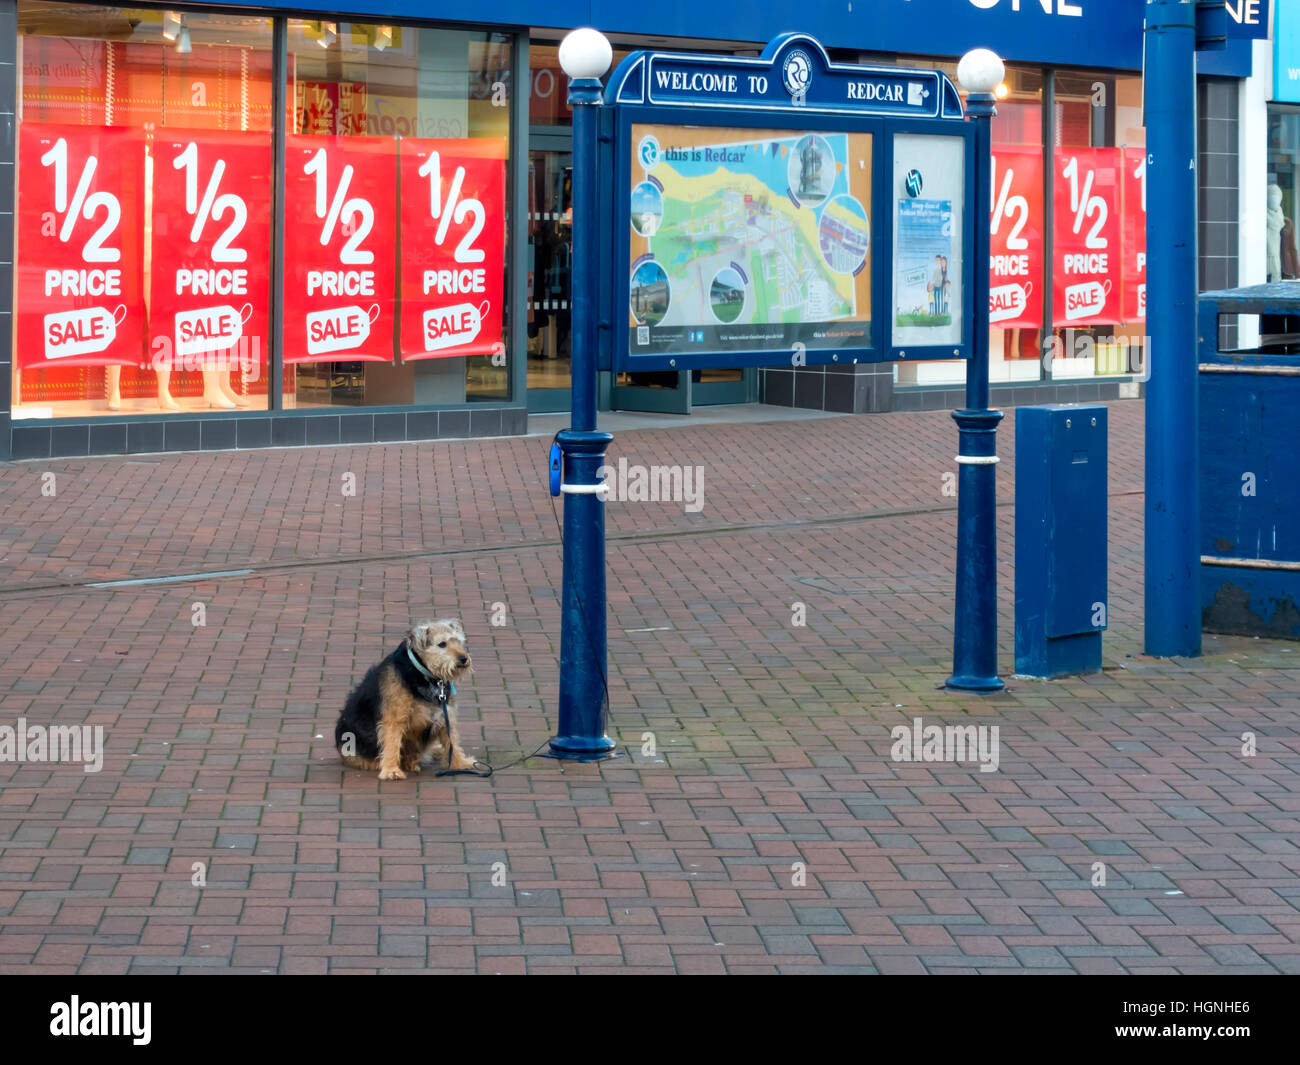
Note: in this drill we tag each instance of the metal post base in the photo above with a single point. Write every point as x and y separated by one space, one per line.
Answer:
583 749
974 684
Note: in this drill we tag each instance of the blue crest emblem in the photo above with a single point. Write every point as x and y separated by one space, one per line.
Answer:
796 74
647 152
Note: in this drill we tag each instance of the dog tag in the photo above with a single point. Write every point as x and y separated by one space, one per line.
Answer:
555 469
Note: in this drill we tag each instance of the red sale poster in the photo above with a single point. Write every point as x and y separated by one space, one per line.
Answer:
1134 308
1086 259
339 284
210 291
1016 239
79 299
453 246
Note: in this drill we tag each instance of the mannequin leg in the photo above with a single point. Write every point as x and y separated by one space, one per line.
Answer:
213 395
228 390
114 376
164 390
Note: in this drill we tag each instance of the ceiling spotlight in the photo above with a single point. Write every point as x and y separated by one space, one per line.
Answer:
183 41
329 33
383 37
171 25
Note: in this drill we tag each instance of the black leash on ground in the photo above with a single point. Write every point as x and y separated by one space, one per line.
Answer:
479 767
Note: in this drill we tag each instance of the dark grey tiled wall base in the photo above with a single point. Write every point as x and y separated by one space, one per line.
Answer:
858 390
854 388
255 430
1009 395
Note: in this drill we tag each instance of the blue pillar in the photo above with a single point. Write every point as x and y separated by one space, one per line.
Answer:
1173 555
975 623
583 680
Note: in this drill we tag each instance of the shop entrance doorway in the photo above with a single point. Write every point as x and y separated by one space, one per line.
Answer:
550 248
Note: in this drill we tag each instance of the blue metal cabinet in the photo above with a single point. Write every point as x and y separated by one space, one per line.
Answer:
1249 452
1061 559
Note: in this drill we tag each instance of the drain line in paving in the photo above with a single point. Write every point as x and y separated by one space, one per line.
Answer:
267 568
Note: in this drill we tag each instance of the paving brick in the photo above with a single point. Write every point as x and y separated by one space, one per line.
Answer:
772 740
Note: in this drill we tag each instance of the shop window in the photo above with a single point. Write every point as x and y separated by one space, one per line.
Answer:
550 220
144 214
395 215
548 87
1282 195
145 219
1098 260
1017 244
550 255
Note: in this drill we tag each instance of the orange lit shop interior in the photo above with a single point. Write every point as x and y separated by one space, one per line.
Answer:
153 70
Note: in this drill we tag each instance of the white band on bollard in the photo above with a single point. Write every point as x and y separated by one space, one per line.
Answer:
584 489
976 460
1251 563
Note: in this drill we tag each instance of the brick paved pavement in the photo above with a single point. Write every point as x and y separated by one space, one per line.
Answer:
773 744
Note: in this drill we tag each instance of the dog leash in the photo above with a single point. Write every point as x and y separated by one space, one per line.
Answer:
441 692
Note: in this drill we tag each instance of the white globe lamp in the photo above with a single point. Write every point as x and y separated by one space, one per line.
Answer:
586 53
980 71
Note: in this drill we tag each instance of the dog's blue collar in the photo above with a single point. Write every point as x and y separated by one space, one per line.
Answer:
424 671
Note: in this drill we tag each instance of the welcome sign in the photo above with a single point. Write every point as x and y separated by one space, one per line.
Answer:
736 83
792 72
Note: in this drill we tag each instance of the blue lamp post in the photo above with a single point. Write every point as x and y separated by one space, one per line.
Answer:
585 56
1173 549
975 625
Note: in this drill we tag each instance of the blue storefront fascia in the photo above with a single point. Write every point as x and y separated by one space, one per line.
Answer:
1234 59
1099 33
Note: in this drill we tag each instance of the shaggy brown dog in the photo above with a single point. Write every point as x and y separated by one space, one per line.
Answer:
394 717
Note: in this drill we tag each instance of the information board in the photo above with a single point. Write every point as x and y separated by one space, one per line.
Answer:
752 221
749 239
929 187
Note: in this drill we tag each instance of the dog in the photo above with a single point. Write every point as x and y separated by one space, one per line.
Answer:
394 717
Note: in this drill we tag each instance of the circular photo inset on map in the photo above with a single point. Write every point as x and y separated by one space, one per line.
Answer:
647 208
810 169
649 297
844 234
727 295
